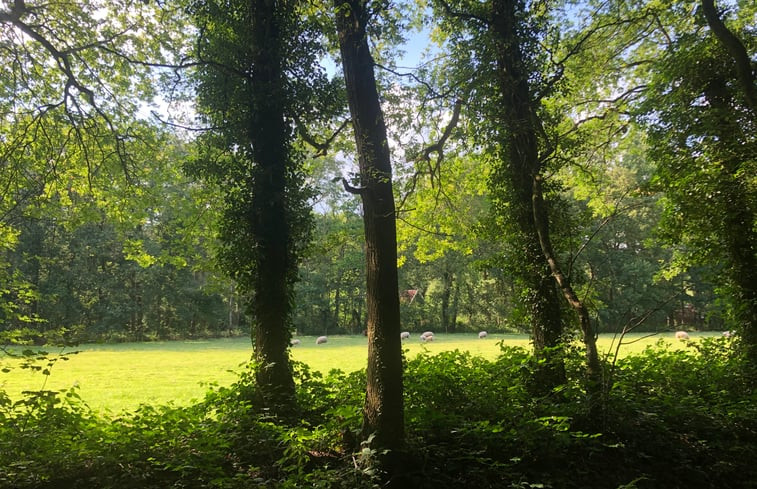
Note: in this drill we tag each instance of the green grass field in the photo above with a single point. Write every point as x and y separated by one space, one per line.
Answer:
122 376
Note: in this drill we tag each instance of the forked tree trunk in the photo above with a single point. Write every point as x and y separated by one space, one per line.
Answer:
383 416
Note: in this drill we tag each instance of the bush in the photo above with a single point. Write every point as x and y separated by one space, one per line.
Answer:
672 419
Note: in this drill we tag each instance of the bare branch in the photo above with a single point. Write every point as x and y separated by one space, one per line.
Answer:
438 147
424 230
413 76
616 211
321 148
183 127
464 15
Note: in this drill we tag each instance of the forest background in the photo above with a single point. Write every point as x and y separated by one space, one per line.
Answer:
192 169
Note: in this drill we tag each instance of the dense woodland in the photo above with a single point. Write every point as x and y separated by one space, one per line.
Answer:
191 169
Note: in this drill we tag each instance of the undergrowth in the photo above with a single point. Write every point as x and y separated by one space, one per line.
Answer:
671 419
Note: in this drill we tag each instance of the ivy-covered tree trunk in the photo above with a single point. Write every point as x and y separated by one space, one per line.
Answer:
520 145
593 368
246 47
383 416
268 214
701 114
740 217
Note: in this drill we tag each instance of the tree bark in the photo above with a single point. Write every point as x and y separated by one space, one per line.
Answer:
383 416
455 303
448 279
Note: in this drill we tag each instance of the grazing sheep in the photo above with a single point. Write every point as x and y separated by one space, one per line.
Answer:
320 340
427 336
682 335
482 335
404 335
295 342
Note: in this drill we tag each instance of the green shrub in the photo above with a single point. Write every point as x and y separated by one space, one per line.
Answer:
673 419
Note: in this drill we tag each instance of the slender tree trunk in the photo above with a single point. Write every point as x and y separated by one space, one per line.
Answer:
337 301
593 368
455 304
447 283
383 416
232 305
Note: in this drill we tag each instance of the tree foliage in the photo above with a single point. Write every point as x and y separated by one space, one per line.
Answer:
702 125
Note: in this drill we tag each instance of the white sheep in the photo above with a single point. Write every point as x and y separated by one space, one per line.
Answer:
682 335
295 342
427 336
320 340
482 335
404 335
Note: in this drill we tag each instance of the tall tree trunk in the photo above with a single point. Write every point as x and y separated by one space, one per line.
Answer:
269 216
740 218
383 416
337 301
521 141
743 64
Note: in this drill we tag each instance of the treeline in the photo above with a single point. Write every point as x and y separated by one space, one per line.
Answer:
157 280
90 282
458 292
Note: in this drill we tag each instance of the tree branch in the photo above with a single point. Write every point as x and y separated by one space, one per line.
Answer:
736 49
438 146
463 15
353 190
63 59
321 148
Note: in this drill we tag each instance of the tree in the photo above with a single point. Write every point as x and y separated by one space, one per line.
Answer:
618 218
702 121
68 104
252 87
383 417
330 295
502 68
120 263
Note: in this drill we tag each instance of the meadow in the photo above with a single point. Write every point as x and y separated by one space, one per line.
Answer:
115 377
